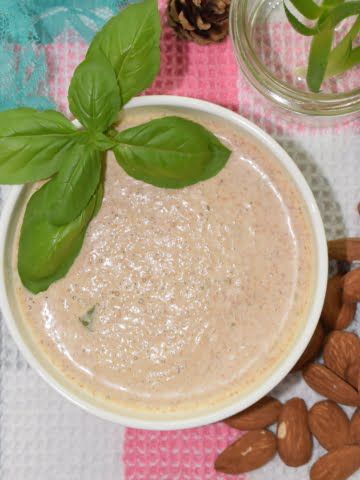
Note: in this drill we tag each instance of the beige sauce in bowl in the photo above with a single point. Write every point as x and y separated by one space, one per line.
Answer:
198 293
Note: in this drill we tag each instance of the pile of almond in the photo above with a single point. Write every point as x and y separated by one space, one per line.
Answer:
337 379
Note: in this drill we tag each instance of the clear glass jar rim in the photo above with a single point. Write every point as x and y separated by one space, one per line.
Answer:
275 89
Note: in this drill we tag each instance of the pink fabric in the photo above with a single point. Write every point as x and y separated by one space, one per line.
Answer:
208 73
179 455
62 59
188 70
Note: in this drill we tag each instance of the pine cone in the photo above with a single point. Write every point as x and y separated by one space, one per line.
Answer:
202 21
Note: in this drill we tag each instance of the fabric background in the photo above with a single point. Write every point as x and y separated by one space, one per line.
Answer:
42 436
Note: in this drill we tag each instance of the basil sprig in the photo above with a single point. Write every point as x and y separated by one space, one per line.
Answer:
170 152
325 60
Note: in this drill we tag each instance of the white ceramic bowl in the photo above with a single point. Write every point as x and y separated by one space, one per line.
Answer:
142 419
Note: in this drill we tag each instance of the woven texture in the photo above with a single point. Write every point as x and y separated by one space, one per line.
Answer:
185 455
42 436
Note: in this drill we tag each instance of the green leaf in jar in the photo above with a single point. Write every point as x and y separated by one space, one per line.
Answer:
130 41
318 59
308 8
332 3
170 152
329 19
324 60
94 96
46 251
33 144
344 56
336 15
72 188
298 26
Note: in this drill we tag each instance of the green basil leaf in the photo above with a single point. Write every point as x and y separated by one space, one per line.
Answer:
94 96
98 198
307 8
318 59
33 144
130 41
74 185
46 251
170 152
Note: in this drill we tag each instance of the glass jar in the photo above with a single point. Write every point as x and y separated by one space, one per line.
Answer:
273 57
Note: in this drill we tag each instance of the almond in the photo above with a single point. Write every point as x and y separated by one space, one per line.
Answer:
249 452
313 349
340 350
352 374
345 317
333 302
293 434
263 413
338 464
327 383
344 249
351 286
329 424
355 427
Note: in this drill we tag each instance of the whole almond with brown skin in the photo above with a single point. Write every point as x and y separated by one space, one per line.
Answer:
340 350
327 383
293 433
355 427
249 452
352 374
344 249
329 424
345 317
351 286
263 413
333 302
338 464
313 349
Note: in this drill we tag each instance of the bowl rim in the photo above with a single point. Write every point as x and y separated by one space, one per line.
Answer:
281 370
280 93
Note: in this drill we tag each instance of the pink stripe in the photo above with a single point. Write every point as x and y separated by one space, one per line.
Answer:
180 455
188 70
209 73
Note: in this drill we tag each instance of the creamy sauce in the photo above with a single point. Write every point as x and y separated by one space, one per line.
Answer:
198 292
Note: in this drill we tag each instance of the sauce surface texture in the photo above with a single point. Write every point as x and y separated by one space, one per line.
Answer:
197 293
